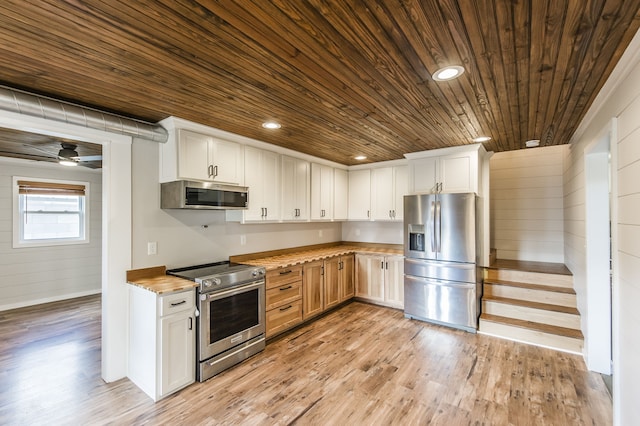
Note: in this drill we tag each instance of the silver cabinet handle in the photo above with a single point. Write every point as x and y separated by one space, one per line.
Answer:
210 170
215 171
182 302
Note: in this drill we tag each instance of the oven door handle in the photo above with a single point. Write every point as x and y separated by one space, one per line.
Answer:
234 290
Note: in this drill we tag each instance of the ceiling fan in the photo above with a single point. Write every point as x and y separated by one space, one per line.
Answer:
68 156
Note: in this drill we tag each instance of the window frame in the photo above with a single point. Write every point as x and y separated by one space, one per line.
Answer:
18 216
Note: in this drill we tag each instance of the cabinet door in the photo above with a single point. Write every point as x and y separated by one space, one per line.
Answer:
312 289
295 178
359 195
382 193
347 277
340 194
456 173
227 160
370 277
423 175
400 189
331 282
394 281
262 176
193 156
321 192
177 352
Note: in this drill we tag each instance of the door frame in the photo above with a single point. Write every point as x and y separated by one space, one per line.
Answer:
600 239
116 229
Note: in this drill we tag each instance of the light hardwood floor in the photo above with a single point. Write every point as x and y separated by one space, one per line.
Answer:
361 364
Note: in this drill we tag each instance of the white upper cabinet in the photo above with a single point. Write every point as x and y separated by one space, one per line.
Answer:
446 170
388 187
321 192
340 194
296 178
359 194
262 176
205 158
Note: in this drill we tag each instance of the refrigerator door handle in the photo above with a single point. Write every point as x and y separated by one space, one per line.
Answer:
433 219
437 225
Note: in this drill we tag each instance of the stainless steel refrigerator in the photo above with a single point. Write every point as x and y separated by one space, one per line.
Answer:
441 281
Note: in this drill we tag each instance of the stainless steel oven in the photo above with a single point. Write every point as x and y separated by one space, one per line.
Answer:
231 320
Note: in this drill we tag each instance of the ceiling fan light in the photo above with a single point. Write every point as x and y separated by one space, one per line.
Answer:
448 73
68 163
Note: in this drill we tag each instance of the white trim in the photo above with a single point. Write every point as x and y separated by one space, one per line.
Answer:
57 298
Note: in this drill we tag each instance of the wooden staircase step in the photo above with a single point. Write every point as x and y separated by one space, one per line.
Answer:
545 313
561 338
530 292
531 286
534 305
556 274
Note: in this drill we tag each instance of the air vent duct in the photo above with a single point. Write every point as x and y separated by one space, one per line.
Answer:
37 106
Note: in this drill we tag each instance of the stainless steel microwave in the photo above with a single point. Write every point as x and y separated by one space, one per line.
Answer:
183 194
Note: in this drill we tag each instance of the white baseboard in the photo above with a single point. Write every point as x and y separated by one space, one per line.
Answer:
48 299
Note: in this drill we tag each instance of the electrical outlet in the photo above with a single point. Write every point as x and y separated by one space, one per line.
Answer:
243 240
357 232
320 233
152 248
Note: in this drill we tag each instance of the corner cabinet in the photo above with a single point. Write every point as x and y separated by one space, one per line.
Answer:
380 279
161 341
329 193
447 170
360 192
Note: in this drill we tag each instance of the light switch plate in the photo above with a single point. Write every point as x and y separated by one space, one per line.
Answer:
152 248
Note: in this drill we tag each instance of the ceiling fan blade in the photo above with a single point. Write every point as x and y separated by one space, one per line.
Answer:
88 158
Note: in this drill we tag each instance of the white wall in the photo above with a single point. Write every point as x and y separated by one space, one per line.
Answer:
182 240
619 98
373 232
33 275
527 204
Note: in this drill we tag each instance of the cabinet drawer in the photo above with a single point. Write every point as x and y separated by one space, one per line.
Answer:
176 302
281 276
284 317
284 294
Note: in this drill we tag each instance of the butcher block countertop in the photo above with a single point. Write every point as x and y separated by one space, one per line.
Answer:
155 279
295 256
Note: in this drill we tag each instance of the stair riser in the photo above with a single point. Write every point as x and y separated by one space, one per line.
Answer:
530 277
560 319
541 296
533 337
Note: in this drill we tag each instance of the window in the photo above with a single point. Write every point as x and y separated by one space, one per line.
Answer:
50 212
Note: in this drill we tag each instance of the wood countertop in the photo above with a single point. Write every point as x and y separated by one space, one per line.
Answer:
304 255
155 279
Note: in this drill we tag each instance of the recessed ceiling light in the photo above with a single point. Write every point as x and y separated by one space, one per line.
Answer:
360 157
448 73
271 125
482 139
532 143
69 163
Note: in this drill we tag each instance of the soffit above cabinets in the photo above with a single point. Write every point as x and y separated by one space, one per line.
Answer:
343 78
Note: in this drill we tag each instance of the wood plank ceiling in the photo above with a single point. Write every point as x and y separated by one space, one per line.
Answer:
343 77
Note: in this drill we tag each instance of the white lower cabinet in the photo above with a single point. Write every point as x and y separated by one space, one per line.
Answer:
161 341
380 279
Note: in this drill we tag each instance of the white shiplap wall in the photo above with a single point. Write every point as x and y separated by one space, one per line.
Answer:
526 204
33 275
619 98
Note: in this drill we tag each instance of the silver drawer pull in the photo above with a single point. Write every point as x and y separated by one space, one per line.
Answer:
179 303
286 288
